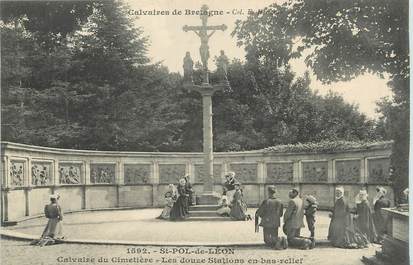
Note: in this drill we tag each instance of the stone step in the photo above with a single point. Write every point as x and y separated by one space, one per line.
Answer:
209 218
204 208
202 214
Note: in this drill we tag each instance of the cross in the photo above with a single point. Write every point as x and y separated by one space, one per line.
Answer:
202 32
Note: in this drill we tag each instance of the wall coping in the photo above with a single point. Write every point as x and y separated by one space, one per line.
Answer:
262 153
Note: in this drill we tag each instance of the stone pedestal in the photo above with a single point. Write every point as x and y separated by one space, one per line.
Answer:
208 198
395 248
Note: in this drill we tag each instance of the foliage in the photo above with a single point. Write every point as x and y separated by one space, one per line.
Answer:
341 40
327 147
94 89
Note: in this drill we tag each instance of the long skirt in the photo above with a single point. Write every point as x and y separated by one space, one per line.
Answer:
238 211
224 211
178 211
53 229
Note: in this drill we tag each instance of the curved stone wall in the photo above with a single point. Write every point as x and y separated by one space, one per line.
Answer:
95 179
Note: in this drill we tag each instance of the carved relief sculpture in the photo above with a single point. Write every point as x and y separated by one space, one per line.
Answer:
41 174
170 173
200 175
279 173
348 171
135 174
16 173
69 173
102 173
245 172
315 172
378 170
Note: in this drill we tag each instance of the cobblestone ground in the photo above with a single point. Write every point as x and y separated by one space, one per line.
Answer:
21 253
141 225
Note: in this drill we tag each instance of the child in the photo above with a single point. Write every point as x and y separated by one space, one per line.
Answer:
223 203
310 208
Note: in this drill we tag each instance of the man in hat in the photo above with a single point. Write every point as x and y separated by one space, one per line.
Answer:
270 212
294 221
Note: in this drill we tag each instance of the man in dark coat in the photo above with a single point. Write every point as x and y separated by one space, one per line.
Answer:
294 221
270 212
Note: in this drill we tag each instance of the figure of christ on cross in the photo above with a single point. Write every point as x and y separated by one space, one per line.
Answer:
202 32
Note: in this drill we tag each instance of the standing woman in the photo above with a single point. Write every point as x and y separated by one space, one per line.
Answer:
364 218
239 207
53 212
380 218
178 211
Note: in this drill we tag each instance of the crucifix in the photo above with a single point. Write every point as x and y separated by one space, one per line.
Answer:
206 90
202 32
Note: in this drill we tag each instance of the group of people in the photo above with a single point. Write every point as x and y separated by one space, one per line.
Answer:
349 228
178 199
232 202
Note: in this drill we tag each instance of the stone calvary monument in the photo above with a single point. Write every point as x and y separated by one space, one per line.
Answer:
206 90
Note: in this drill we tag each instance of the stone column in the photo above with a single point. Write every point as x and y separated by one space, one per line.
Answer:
331 174
87 181
28 186
118 180
208 141
5 190
261 176
297 177
155 183
363 170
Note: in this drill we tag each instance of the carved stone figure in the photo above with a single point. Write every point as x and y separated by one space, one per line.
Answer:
222 67
69 174
188 68
41 174
16 173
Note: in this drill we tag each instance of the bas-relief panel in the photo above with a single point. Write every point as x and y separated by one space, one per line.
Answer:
279 173
315 172
348 171
170 173
378 170
245 172
102 173
16 173
41 173
200 175
137 173
70 173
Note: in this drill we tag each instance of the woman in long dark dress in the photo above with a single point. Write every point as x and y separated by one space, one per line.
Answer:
239 207
364 218
380 218
178 211
342 232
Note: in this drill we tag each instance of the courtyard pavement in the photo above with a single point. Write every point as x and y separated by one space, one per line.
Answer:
141 226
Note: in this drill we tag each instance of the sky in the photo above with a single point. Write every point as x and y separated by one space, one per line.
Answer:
168 43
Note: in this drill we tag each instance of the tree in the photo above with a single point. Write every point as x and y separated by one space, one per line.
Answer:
340 40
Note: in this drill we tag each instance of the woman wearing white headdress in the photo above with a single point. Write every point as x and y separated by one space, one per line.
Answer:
380 218
170 197
340 219
229 185
54 228
364 218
